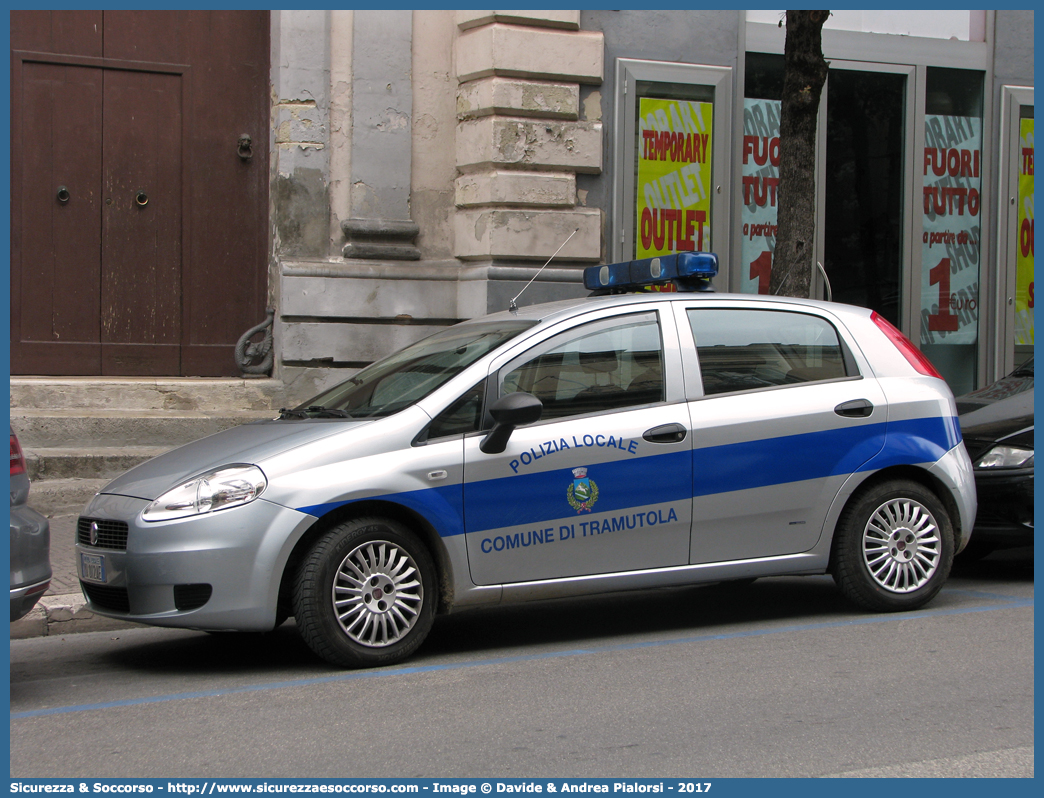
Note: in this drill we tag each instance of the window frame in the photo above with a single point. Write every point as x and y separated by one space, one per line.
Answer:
629 72
1001 351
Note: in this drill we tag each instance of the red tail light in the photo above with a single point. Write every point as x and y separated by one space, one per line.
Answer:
914 356
17 458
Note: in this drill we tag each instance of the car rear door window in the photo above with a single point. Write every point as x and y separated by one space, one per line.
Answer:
745 350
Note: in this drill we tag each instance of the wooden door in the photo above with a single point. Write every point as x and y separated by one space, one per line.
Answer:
139 233
141 224
56 212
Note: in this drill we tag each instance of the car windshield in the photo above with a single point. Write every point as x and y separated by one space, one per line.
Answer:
406 377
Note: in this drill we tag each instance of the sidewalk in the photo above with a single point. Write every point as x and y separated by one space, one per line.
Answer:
63 610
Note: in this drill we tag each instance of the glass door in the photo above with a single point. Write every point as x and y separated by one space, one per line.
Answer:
864 176
864 180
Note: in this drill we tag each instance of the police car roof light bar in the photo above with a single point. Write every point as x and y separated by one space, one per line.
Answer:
687 271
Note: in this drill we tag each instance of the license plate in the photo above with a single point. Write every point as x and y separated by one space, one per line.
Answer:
92 567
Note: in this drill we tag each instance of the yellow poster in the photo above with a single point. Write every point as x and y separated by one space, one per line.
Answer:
674 176
1024 257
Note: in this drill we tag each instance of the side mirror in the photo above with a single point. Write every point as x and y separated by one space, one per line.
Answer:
513 410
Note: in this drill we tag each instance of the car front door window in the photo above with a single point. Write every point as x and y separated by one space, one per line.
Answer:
603 365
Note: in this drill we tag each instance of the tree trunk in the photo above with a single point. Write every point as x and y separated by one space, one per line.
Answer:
805 72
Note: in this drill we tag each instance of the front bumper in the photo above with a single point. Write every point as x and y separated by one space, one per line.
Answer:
1005 514
218 571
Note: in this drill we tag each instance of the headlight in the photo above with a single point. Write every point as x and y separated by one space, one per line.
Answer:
1006 457
230 486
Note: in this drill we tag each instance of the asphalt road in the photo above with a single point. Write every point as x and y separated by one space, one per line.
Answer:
781 678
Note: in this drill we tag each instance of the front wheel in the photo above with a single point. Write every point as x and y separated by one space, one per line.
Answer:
365 594
894 547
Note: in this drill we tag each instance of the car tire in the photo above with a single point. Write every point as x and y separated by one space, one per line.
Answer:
365 594
894 547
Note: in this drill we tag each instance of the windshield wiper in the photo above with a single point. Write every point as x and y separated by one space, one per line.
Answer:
327 412
286 412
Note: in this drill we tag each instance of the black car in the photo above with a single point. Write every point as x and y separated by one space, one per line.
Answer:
997 424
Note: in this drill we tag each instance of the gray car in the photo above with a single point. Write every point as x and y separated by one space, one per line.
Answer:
30 541
618 442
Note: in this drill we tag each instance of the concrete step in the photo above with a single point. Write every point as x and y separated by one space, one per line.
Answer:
78 433
93 463
143 393
88 428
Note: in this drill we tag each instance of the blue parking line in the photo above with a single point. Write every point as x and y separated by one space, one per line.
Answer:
1007 602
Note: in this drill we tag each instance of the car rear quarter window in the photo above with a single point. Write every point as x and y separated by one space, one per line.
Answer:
746 350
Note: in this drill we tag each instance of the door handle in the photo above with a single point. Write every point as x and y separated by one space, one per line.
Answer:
857 408
666 433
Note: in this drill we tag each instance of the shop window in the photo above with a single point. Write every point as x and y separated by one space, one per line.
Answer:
672 171
1024 247
759 168
951 246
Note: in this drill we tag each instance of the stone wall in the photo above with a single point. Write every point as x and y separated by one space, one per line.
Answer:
521 137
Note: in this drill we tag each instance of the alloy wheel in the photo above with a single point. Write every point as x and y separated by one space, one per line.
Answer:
901 545
377 595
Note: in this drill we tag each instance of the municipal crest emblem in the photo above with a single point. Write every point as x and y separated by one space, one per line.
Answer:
583 492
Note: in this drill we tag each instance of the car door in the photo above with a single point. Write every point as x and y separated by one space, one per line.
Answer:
602 482
782 414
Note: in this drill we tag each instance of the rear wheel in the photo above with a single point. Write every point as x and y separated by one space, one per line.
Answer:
365 594
894 547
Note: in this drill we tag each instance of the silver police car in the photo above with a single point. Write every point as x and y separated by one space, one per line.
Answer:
618 442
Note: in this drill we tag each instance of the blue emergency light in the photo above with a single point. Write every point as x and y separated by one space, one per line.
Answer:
686 271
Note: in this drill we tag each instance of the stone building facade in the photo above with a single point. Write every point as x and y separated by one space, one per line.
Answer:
424 166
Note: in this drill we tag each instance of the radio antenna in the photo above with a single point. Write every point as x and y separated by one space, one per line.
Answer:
511 305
